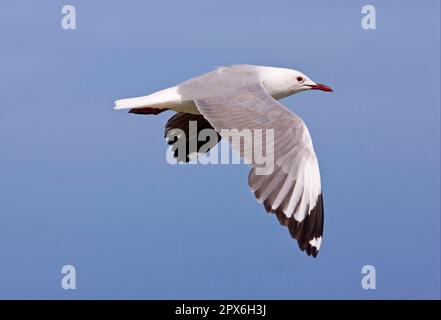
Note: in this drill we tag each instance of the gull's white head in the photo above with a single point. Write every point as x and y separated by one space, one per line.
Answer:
281 82
297 82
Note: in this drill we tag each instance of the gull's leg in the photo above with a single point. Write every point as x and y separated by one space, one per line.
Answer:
147 110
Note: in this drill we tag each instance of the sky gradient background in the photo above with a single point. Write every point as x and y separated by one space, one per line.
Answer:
82 184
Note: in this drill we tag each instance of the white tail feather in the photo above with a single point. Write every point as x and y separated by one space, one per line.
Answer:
157 100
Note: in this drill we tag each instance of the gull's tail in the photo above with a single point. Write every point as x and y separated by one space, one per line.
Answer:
151 104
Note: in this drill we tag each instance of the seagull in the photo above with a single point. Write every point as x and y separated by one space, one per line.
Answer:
246 97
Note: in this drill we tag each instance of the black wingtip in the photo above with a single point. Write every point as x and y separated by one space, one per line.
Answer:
309 231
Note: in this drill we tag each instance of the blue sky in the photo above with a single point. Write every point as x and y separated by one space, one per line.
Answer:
82 184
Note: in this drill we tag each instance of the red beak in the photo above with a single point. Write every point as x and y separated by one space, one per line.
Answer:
320 86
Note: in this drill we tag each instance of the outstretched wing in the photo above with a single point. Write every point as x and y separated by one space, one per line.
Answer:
234 98
180 124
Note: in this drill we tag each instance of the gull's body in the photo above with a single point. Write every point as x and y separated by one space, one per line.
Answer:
274 80
244 97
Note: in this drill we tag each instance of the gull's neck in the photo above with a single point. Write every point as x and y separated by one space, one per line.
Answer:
275 81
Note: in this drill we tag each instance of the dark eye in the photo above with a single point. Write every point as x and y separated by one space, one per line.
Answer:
299 79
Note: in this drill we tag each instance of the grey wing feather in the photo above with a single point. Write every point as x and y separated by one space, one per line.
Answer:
234 98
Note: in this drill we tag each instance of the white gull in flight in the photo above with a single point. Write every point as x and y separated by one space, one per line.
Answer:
245 97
